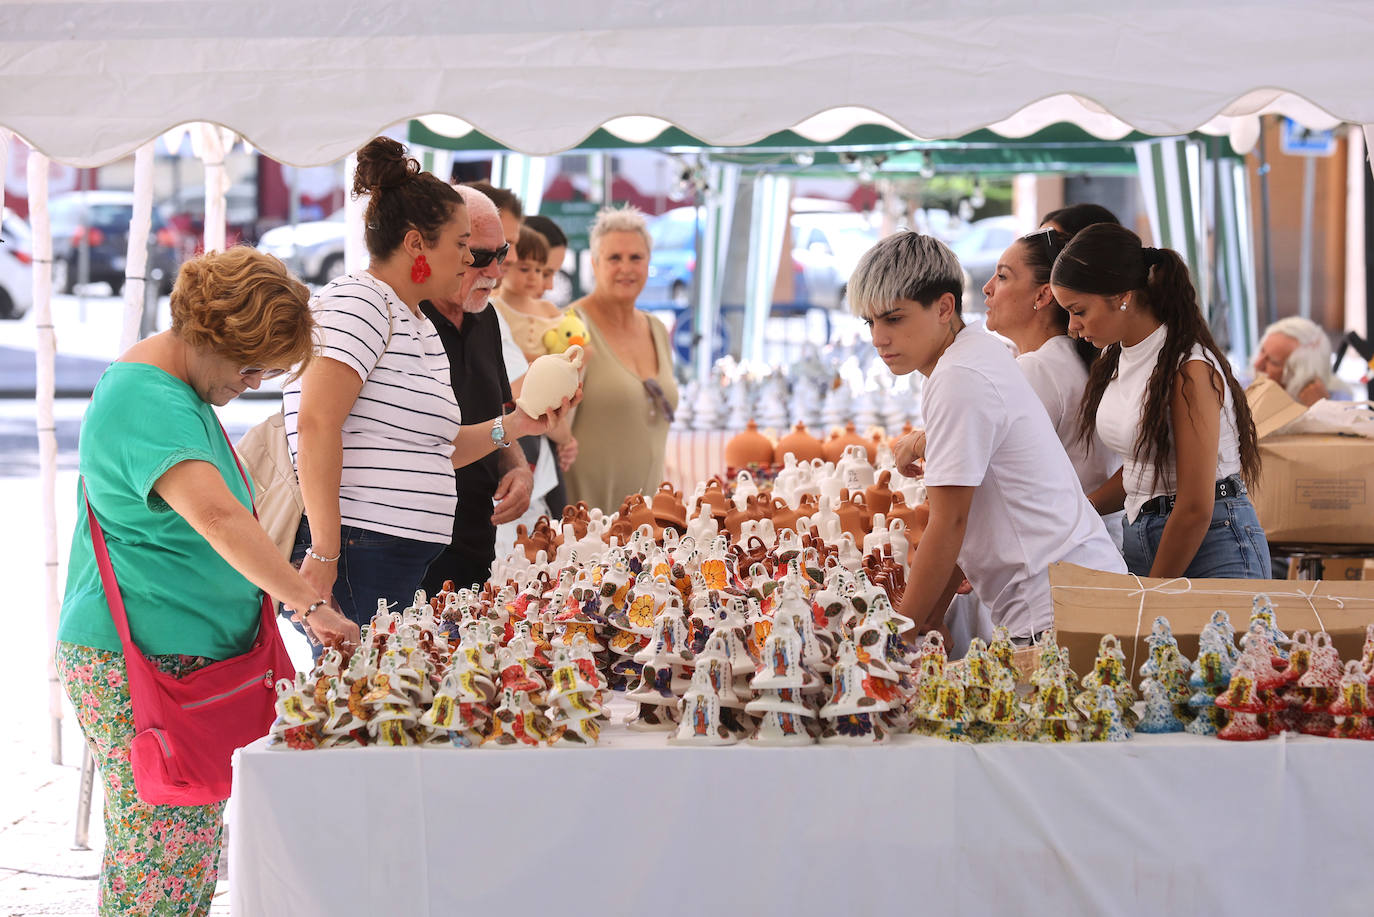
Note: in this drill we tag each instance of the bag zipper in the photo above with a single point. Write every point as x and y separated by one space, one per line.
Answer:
157 734
256 679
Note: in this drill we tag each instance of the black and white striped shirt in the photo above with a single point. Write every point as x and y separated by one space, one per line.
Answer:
398 437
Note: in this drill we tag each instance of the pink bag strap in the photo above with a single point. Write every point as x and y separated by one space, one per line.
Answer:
113 597
235 453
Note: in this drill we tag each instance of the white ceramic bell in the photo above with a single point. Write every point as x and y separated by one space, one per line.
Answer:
551 378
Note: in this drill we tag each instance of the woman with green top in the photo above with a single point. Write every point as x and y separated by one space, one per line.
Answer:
191 561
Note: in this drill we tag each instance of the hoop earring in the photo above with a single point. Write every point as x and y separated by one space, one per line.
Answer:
419 269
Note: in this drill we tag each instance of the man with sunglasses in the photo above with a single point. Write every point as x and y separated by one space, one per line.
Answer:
472 340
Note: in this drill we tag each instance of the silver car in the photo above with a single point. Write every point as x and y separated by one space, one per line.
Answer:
314 250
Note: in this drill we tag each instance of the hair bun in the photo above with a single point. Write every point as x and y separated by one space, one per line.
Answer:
383 165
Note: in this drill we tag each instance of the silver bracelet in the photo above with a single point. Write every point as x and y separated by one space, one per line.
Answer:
310 552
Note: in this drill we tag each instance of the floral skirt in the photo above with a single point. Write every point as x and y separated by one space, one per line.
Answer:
159 860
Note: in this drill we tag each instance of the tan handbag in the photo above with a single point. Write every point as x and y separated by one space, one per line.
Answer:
276 490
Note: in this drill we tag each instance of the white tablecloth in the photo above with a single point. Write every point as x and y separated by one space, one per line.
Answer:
1157 825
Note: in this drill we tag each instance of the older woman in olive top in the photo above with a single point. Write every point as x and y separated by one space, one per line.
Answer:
628 394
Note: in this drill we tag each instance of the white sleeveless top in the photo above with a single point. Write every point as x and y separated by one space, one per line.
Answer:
1118 422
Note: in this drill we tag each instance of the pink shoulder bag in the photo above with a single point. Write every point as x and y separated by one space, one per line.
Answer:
186 729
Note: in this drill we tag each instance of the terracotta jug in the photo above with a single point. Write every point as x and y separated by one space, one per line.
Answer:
800 443
669 509
716 499
853 514
839 439
784 517
878 496
747 448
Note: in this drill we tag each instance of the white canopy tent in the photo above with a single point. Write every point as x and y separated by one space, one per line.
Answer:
310 81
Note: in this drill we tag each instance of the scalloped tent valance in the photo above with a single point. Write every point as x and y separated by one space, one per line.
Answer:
309 81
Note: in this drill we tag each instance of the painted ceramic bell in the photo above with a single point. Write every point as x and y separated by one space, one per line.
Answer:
1104 722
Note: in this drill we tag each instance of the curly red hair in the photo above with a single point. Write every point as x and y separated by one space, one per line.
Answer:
246 306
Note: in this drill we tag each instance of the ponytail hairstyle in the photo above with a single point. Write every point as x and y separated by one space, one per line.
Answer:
1109 260
1040 248
401 197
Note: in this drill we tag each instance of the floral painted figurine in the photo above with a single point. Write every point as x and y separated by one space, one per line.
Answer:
1159 709
1105 723
1352 708
850 716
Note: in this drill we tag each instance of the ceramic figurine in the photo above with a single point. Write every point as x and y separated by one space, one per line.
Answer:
1104 723
550 379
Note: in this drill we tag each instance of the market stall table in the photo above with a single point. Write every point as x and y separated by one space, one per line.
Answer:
1160 824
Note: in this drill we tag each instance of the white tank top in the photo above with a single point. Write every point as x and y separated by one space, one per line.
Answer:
1118 422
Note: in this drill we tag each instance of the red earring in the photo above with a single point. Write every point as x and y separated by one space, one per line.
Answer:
419 269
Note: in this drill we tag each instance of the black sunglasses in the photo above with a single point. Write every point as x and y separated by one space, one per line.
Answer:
481 257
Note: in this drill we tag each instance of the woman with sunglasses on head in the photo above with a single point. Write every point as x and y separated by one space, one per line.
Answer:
1004 500
1163 396
629 393
190 561
373 425
1021 308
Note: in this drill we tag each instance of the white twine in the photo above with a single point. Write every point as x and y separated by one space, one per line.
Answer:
1168 587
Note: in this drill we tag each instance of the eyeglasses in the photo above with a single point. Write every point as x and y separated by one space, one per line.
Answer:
658 400
261 372
481 257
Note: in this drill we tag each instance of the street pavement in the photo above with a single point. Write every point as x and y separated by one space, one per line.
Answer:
40 870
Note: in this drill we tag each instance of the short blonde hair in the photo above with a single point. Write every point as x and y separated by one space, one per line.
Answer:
619 219
246 306
905 265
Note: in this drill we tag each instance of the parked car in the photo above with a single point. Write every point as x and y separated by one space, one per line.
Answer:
313 250
16 266
978 250
828 245
674 257
184 213
100 221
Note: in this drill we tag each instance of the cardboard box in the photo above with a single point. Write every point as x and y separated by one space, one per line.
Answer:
1313 489
1090 603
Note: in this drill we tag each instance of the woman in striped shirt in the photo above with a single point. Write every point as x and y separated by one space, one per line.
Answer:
373 424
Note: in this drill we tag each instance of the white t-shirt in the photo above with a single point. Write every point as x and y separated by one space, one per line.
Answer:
986 429
397 475
1118 422
1058 377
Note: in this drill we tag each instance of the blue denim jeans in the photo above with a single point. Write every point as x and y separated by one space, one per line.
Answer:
1233 548
372 566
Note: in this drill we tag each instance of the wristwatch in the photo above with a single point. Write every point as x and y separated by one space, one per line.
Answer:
498 433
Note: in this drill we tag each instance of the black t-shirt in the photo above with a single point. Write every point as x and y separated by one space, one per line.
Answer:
478 374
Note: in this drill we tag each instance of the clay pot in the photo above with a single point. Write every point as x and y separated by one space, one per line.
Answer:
915 517
638 512
669 508
749 447
835 445
716 498
784 517
879 495
800 443
734 519
854 516
579 517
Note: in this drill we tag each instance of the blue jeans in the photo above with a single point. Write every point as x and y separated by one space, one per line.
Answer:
1233 548
372 566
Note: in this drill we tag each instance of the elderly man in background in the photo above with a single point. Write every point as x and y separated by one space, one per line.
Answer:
1296 353
472 340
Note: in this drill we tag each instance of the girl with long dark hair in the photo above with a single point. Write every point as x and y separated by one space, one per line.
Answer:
1163 395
